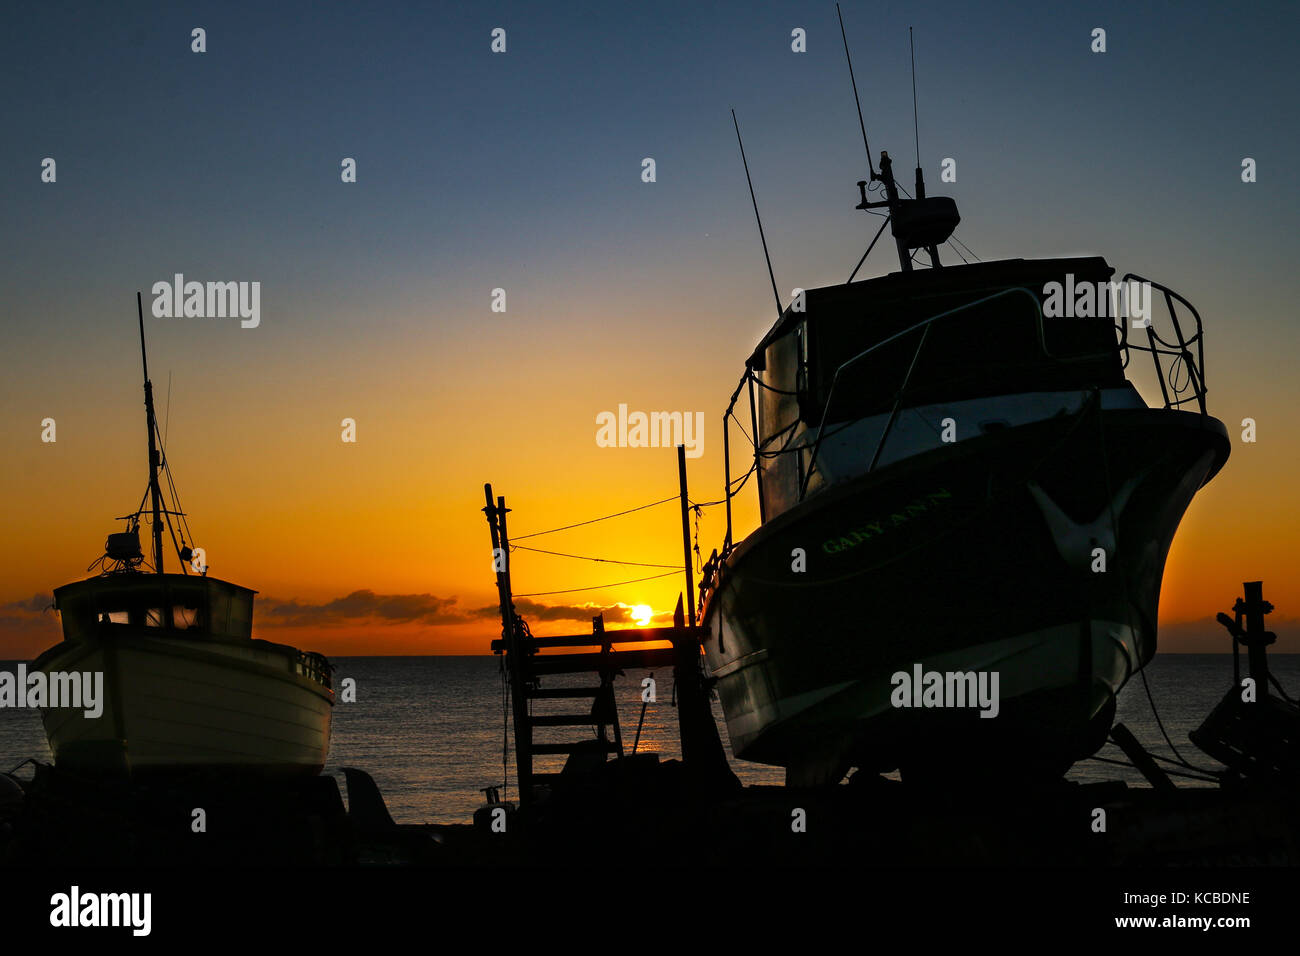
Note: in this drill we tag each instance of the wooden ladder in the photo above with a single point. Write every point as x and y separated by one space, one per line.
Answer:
581 654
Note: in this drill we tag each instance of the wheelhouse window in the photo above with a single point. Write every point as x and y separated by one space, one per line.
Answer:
185 617
197 607
779 411
998 346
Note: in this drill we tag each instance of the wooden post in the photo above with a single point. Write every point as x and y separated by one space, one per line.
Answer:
515 655
1256 639
686 532
702 751
758 444
726 465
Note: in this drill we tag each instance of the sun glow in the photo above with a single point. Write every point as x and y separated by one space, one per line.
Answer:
641 614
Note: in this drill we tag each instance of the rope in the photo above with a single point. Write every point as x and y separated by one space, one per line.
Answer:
596 587
1128 605
739 484
771 388
699 559
1172 773
583 557
619 514
741 426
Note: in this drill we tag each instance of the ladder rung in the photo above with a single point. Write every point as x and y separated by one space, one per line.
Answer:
576 746
654 657
564 720
634 635
546 692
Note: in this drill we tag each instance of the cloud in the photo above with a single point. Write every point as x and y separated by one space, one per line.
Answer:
426 609
359 607
534 611
364 605
29 615
36 604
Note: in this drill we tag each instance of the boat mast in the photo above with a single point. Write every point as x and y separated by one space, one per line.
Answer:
155 495
886 174
932 249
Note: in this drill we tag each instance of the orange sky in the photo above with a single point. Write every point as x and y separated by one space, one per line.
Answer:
521 172
282 505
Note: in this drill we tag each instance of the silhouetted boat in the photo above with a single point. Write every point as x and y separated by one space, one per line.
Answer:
185 685
948 478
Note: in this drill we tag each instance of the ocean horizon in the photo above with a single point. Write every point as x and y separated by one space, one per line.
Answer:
430 730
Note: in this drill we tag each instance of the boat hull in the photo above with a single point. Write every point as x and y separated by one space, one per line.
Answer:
175 704
981 556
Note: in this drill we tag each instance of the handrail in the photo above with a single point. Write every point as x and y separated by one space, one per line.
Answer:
727 414
1181 351
830 395
315 667
1156 346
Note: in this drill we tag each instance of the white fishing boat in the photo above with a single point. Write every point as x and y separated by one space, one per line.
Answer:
185 686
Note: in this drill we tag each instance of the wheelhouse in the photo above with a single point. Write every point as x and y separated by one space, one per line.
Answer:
856 375
176 604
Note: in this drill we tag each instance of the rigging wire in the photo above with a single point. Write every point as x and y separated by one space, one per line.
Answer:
167 415
741 426
953 237
1114 529
738 482
966 247
597 587
771 388
536 534
583 557
964 260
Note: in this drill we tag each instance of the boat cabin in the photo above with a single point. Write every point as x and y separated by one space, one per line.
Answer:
931 341
173 603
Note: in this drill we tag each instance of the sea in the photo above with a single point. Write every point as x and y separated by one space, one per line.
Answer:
431 731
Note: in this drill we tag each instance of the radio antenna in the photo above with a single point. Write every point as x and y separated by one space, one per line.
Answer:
933 250
780 309
915 124
856 100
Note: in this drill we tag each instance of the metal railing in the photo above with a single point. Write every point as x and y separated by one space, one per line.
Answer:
1180 352
315 667
907 377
